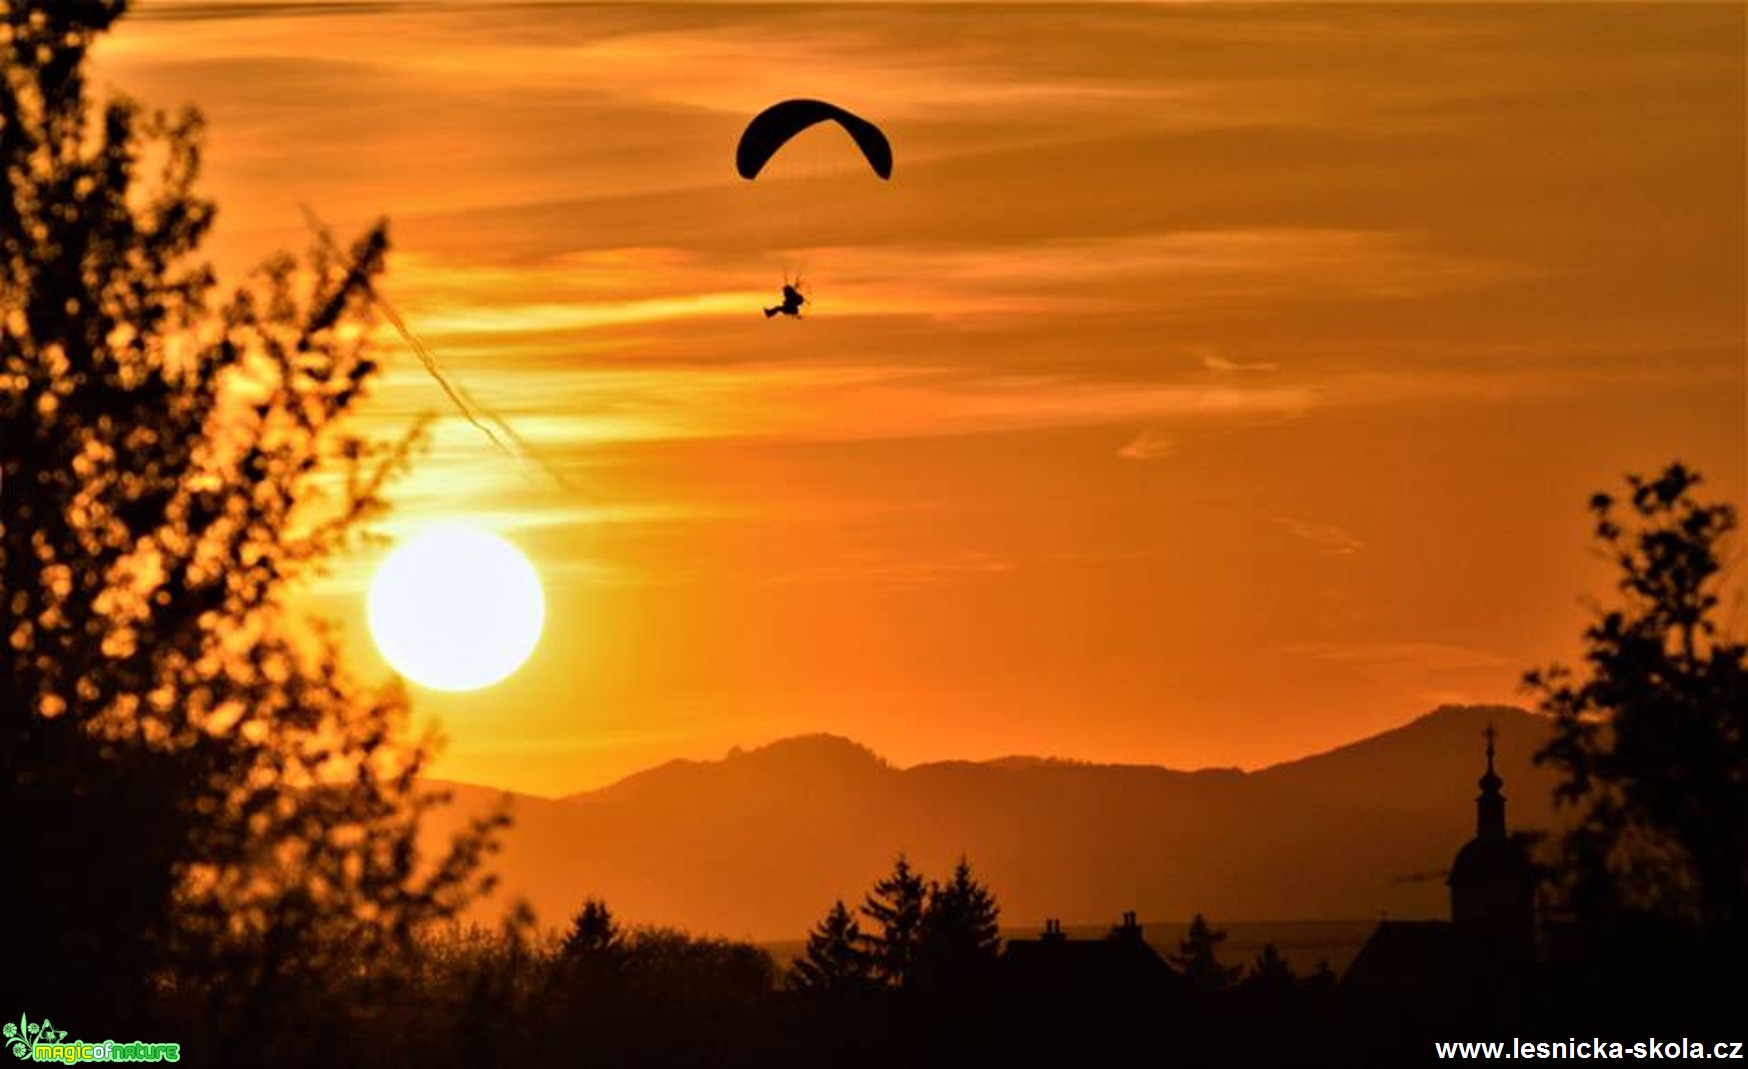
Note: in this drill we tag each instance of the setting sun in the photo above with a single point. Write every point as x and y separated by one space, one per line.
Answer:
456 609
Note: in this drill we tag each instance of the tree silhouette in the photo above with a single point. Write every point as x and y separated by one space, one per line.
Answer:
896 904
1269 973
593 933
1652 739
670 964
170 471
959 937
835 961
1198 960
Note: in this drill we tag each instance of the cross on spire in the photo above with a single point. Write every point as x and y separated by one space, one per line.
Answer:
1490 806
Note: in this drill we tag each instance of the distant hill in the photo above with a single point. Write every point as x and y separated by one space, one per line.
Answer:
760 843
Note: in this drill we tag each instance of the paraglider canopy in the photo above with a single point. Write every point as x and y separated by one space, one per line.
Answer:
772 128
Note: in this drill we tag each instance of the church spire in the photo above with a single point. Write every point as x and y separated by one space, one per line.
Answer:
1490 804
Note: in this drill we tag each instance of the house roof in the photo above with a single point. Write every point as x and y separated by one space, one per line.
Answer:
1408 957
1085 963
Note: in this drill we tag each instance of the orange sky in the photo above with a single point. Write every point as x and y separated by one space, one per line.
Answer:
1211 385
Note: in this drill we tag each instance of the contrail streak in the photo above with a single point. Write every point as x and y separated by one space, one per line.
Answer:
489 423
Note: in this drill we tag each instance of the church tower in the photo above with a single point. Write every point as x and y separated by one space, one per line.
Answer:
1493 888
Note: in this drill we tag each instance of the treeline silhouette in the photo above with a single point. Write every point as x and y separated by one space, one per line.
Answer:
211 829
916 975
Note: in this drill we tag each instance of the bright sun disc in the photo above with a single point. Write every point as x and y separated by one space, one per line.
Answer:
456 609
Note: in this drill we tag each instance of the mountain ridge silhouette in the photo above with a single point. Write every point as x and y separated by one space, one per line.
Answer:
759 843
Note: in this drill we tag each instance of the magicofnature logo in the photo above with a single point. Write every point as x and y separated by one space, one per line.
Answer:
40 1041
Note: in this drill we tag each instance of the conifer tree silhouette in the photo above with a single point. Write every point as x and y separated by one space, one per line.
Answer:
1197 958
896 905
1269 973
593 933
960 936
836 960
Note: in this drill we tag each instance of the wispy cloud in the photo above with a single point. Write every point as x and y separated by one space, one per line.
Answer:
1417 656
888 571
1326 537
1214 360
1151 444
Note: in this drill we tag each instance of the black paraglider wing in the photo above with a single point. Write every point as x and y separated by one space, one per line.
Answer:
772 128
